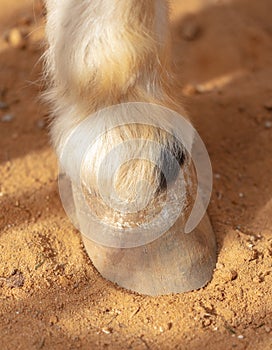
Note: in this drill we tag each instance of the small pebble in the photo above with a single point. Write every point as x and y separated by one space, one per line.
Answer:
53 319
219 265
240 336
256 279
255 254
268 124
229 275
206 322
169 325
267 329
7 118
217 176
234 274
15 280
250 245
241 195
107 330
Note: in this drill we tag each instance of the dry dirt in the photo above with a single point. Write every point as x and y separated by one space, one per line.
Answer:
51 296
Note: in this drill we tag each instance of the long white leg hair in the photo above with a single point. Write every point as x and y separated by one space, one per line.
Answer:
106 52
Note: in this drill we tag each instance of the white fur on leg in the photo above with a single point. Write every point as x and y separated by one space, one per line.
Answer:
105 52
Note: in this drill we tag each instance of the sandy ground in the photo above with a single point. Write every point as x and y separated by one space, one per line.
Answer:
51 297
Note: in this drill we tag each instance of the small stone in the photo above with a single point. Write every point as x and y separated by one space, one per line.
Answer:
169 325
253 238
7 118
219 266
256 279
241 195
16 39
229 275
267 329
206 322
254 255
240 336
16 279
53 320
217 176
64 281
107 330
234 274
250 245
268 124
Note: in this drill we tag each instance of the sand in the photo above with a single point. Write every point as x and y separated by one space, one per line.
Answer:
51 297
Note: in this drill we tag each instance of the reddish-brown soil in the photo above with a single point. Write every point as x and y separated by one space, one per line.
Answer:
51 297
